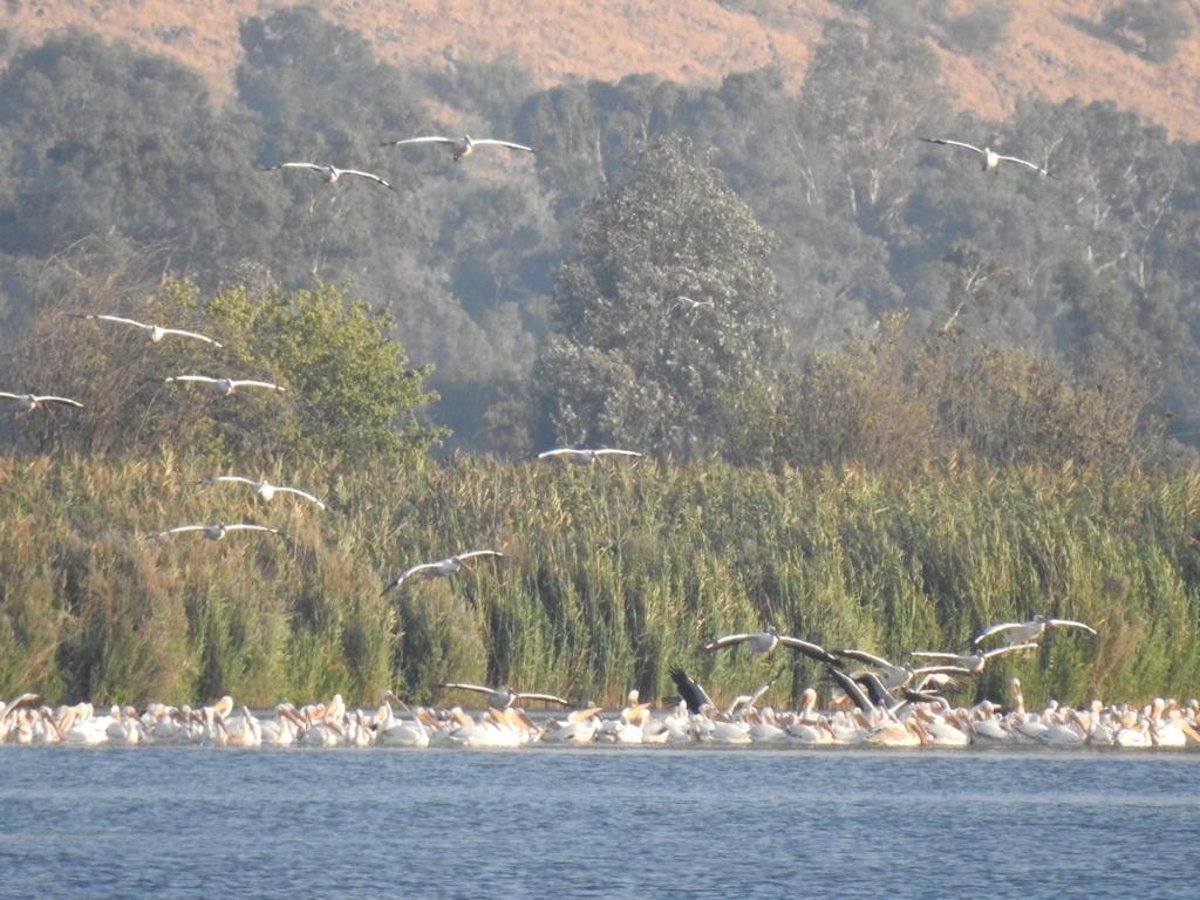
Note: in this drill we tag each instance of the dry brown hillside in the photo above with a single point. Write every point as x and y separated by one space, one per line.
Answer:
692 41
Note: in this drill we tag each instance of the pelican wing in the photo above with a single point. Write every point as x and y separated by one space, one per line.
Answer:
941 670
369 175
425 139
408 573
203 378
295 165
1024 162
880 695
948 143
247 526
240 479
988 630
692 693
726 641
7 396
864 657
1054 623
179 529
105 317
473 553
67 401
545 698
250 383
192 334
998 651
496 143
853 691
932 654
561 451
611 451
305 494
815 651
463 686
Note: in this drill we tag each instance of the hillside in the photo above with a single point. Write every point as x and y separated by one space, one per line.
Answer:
1048 50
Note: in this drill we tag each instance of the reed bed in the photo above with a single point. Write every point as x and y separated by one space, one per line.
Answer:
612 574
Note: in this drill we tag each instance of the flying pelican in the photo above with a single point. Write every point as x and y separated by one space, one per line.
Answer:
766 641
27 402
894 676
265 490
972 662
154 332
442 568
218 531
1025 632
689 689
503 697
461 146
585 456
330 173
991 159
223 387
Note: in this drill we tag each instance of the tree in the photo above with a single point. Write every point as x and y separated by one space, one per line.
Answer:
666 305
1160 24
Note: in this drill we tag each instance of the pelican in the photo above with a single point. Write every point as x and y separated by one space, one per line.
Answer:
585 456
223 387
690 691
461 146
972 662
1025 632
330 173
218 531
442 568
893 676
265 490
154 332
991 159
766 641
28 402
503 697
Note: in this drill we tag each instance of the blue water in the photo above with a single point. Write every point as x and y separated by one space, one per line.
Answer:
601 822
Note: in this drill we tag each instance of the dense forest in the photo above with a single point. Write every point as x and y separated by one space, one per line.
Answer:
775 294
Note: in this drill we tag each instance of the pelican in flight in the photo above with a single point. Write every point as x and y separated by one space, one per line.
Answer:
503 697
768 640
972 662
693 695
442 568
585 456
330 173
216 532
460 146
265 490
27 402
154 332
223 387
1026 632
991 159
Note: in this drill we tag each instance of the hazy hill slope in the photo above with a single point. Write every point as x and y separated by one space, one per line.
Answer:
1045 51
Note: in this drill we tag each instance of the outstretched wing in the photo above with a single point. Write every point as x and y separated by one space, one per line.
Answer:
725 641
1070 623
814 651
305 494
203 378
104 317
988 630
192 334
369 175
948 143
1024 162
853 691
473 553
249 383
693 695
496 143
462 686
610 451
426 139
67 401
864 657
295 165
997 651
545 698
408 573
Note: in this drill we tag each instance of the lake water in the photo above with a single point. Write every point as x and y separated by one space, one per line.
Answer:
599 822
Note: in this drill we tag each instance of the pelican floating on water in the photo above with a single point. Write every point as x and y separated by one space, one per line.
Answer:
28 402
991 159
442 568
154 332
460 146
223 387
264 489
330 173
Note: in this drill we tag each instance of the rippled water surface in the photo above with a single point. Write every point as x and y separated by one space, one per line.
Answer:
172 821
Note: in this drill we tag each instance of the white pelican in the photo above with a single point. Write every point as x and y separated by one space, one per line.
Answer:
1025 632
893 676
972 662
154 332
442 568
503 697
330 173
223 387
768 640
217 531
585 456
690 691
27 402
460 146
991 159
265 490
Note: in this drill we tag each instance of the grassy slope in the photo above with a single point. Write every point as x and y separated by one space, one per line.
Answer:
692 41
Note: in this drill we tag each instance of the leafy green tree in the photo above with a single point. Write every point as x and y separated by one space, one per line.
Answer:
665 306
